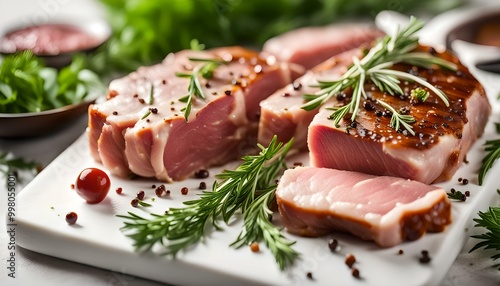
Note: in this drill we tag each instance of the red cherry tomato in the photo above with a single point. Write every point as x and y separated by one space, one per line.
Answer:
92 185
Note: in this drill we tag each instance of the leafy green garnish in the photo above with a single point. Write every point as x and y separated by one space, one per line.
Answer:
376 66
248 189
144 32
456 195
419 94
27 85
491 239
492 148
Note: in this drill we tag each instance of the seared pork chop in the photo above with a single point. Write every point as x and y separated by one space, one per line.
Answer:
443 135
387 210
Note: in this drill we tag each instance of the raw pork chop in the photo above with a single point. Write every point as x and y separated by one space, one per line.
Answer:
388 210
141 129
310 46
443 135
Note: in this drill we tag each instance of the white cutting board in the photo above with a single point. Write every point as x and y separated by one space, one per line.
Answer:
97 240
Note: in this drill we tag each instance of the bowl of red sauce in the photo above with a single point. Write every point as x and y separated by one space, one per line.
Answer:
57 41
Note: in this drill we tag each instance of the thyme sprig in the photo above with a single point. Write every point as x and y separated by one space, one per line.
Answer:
376 66
248 189
492 148
194 88
491 239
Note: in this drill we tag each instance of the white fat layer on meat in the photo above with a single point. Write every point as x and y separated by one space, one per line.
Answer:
160 138
389 225
420 158
238 114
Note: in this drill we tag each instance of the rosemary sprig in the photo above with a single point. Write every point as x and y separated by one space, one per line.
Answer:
492 148
491 239
456 195
375 66
194 89
398 120
249 189
257 227
146 115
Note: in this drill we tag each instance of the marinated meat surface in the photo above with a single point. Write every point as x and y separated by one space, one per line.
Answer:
443 135
141 128
387 210
310 46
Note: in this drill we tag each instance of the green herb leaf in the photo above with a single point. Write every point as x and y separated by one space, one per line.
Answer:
146 115
492 148
419 94
145 31
456 195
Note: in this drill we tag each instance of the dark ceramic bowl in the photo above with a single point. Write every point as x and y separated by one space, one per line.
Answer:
23 125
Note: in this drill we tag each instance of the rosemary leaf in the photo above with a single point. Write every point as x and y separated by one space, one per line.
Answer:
491 239
492 148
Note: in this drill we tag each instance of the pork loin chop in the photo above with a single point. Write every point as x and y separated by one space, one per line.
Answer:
388 210
442 137
141 128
